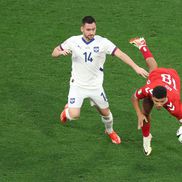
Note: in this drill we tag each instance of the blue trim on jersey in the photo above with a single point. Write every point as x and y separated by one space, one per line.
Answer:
88 41
61 47
113 51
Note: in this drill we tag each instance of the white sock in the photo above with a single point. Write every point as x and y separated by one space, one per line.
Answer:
108 122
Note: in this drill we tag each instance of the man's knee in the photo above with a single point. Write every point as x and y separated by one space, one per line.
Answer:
74 113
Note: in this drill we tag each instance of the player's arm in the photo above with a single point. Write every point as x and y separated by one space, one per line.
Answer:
126 59
140 115
58 51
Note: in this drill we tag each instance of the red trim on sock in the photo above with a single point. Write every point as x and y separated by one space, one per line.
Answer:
146 129
146 52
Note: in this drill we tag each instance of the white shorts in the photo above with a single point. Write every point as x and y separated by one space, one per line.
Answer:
77 95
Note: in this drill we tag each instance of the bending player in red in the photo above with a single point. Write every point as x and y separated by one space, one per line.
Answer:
162 89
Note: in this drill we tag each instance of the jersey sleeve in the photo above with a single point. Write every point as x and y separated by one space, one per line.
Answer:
141 93
67 44
178 114
109 47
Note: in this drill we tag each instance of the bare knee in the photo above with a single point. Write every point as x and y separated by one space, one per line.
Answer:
74 113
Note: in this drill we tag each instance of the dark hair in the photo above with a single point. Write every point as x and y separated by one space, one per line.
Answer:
88 19
159 92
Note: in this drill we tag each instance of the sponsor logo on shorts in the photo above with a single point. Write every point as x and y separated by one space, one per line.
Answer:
72 100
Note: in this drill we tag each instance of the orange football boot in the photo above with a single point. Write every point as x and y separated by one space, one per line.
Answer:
114 137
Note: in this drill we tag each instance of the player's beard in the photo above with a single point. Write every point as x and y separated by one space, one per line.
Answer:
89 37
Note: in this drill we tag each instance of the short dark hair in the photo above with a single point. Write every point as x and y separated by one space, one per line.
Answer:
159 92
88 19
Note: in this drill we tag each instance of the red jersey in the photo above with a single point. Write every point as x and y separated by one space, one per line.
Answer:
169 79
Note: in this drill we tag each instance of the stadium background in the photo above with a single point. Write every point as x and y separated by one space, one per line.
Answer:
34 146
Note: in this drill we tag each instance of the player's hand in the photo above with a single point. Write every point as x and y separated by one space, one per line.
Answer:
142 72
141 118
65 52
58 52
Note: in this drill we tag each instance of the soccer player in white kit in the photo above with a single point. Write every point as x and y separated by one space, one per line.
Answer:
88 57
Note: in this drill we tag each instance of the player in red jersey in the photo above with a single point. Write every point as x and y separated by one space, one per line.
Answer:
162 89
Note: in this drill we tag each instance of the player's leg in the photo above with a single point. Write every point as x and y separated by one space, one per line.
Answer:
147 137
107 119
69 114
99 100
72 108
140 43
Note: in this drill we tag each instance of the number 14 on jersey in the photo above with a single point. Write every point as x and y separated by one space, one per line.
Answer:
88 56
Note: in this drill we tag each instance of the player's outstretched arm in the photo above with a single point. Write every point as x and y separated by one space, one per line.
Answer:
140 115
126 59
58 52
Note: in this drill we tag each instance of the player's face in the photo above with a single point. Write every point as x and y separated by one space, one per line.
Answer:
88 30
158 103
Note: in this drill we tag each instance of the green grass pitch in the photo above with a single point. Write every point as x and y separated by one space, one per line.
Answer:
34 146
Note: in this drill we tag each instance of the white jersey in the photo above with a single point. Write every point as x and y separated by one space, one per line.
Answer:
88 60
